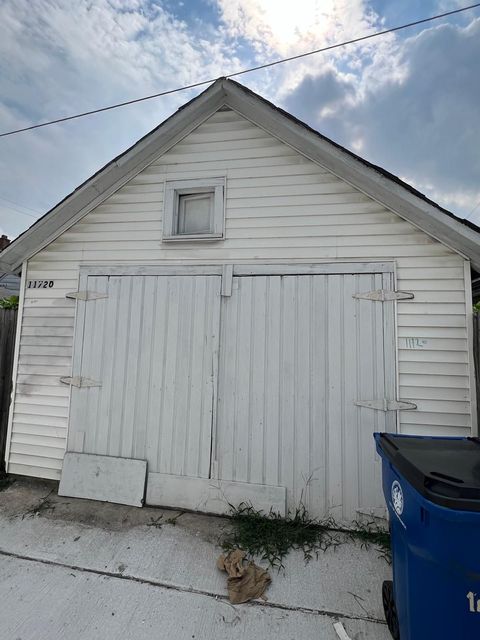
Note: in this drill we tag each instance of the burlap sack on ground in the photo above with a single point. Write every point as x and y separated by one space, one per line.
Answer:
245 581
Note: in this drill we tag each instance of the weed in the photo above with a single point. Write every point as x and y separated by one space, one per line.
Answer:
156 522
370 533
45 504
271 536
9 303
173 519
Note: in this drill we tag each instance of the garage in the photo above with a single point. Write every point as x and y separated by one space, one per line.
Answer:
226 312
238 381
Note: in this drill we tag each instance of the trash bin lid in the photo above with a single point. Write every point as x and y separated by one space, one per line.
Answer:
446 471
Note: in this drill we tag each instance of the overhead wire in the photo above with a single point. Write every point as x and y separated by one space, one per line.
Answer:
472 211
18 207
244 71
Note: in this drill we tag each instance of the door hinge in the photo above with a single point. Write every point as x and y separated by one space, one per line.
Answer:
384 295
386 405
80 382
86 295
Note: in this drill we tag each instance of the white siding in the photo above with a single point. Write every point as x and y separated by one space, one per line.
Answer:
280 207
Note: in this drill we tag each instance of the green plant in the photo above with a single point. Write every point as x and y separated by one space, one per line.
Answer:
271 537
9 303
370 533
476 307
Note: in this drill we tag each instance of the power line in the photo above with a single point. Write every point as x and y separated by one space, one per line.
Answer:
30 215
22 206
239 73
473 210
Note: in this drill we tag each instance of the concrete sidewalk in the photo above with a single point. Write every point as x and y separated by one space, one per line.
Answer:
81 569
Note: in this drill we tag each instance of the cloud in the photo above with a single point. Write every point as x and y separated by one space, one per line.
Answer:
421 124
407 104
58 58
280 29
290 28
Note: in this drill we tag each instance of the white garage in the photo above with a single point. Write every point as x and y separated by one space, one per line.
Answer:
228 311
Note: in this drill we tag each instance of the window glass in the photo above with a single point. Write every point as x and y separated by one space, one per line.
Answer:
195 213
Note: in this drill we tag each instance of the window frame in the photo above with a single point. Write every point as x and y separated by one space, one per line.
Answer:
174 189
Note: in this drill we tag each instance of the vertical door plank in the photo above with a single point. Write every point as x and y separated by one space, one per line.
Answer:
334 408
243 381
199 384
157 380
259 359
352 372
318 467
210 357
132 384
287 386
109 368
273 397
118 397
170 364
227 381
182 388
301 389
144 377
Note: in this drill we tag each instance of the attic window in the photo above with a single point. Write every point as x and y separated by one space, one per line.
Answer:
194 209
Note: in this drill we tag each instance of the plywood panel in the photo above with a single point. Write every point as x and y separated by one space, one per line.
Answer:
210 495
104 478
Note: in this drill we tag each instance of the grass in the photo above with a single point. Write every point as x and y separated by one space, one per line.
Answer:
370 533
271 537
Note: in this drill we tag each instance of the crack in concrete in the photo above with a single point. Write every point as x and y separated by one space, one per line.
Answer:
201 592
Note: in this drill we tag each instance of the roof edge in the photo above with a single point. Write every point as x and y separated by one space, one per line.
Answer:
377 183
109 178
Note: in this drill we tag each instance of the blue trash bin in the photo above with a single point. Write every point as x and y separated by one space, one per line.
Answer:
432 489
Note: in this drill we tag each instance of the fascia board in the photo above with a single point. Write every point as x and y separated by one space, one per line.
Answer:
428 218
112 177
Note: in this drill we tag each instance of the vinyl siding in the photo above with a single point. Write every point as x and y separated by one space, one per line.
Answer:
280 207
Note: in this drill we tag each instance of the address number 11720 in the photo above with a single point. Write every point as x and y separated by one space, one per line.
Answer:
40 284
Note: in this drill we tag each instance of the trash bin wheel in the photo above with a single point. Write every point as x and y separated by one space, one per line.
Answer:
390 609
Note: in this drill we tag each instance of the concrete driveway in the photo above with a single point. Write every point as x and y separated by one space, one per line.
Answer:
81 569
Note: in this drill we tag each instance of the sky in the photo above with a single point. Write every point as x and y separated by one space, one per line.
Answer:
408 101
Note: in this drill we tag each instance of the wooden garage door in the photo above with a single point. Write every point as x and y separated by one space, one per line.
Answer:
152 345
296 353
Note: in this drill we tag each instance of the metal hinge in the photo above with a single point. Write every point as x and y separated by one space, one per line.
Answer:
86 295
384 295
80 382
386 405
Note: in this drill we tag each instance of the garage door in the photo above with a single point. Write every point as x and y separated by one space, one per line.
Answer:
297 352
243 393
151 344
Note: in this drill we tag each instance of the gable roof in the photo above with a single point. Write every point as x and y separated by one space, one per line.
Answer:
374 181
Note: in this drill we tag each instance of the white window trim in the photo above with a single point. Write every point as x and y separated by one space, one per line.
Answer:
175 188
